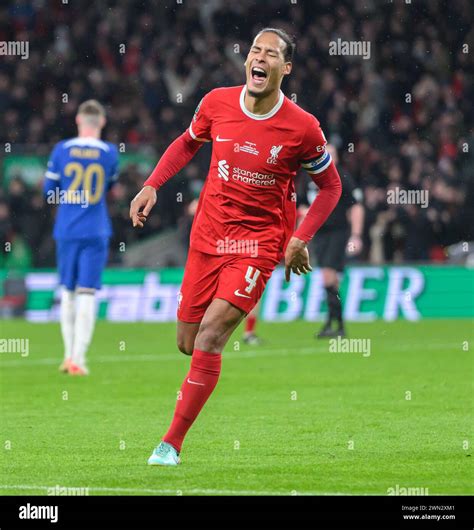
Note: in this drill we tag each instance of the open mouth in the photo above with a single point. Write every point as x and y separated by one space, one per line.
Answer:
258 75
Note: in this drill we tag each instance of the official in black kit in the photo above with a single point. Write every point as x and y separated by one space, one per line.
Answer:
341 235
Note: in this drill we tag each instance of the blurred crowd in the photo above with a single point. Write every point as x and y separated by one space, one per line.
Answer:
401 119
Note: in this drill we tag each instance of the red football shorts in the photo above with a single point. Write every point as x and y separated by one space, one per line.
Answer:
238 279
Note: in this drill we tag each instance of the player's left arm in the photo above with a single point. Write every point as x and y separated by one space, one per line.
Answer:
317 161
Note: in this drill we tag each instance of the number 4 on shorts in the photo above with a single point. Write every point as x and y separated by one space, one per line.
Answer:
251 277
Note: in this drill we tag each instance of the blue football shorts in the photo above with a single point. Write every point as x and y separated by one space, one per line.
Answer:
81 261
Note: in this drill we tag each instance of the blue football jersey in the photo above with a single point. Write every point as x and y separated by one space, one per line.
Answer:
80 172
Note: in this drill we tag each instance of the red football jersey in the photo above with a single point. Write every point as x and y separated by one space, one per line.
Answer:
249 193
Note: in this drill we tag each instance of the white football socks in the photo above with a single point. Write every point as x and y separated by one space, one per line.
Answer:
83 326
66 318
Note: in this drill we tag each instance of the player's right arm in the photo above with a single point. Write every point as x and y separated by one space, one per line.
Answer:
179 154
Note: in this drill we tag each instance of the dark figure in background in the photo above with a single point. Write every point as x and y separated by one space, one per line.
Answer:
341 235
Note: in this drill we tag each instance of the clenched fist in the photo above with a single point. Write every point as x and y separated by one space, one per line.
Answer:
141 205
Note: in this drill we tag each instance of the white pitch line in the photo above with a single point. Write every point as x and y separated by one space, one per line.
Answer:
192 491
197 491
227 355
162 357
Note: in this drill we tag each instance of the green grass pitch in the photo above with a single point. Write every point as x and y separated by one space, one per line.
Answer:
287 417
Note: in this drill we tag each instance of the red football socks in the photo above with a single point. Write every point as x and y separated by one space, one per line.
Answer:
250 323
195 391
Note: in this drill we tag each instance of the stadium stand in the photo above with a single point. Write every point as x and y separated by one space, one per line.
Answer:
401 119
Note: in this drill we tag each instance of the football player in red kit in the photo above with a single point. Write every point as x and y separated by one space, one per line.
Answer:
250 337
245 220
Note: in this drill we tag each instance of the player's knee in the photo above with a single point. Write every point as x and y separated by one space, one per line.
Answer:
330 278
85 290
209 339
184 346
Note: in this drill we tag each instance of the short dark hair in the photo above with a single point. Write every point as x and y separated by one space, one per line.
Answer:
286 38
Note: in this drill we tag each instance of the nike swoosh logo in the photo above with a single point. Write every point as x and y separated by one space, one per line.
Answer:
218 139
195 383
237 293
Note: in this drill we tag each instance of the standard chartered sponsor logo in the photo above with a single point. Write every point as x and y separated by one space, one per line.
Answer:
254 178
